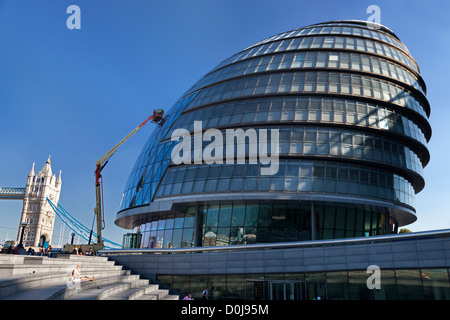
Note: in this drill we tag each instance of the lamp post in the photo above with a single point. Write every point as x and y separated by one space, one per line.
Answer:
24 224
73 236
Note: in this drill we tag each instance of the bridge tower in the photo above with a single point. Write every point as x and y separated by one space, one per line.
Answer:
36 212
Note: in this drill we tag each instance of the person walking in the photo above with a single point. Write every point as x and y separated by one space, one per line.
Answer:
205 294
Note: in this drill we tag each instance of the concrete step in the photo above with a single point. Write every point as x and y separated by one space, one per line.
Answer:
74 257
20 283
7 270
50 286
26 282
39 278
96 292
41 293
124 290
36 261
133 293
91 290
171 297
159 294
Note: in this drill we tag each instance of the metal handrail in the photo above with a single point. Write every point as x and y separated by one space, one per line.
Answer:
443 233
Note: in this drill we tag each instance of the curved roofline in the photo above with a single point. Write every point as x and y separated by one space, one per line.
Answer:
356 22
360 22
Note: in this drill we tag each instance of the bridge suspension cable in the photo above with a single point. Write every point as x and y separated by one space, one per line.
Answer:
76 226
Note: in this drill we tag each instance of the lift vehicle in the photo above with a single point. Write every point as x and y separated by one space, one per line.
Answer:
157 118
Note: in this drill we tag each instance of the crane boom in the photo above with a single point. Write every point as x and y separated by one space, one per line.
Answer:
114 149
157 118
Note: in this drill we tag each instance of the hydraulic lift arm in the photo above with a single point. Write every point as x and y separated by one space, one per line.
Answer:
157 118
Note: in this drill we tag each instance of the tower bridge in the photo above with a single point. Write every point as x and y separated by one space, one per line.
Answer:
41 207
37 215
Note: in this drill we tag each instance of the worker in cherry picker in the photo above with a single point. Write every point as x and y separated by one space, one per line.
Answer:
158 115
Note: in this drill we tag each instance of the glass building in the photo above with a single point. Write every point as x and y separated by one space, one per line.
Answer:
349 106
400 284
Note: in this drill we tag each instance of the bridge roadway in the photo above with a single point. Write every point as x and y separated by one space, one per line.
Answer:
8 193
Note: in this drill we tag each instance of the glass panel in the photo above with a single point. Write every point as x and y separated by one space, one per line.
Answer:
328 224
212 216
319 213
337 285
251 215
168 238
225 215
238 215
169 223
388 288
188 238
358 285
265 215
350 223
161 224
435 284
367 225
176 239
409 284
359 227
179 222
223 237
190 218
236 285
340 222
159 239
217 283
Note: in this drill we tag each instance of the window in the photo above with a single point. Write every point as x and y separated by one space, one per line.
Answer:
333 60
339 43
329 42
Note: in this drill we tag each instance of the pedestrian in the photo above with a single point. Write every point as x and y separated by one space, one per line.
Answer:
205 294
188 297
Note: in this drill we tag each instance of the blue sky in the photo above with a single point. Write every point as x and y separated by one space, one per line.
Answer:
75 93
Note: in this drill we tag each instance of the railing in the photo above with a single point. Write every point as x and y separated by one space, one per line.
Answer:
444 233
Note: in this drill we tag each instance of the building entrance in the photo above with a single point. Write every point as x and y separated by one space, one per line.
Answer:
256 289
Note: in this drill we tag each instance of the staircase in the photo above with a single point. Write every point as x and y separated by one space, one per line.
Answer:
25 277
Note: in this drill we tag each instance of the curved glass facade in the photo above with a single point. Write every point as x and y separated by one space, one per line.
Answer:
332 42
297 110
224 224
310 177
349 106
315 59
312 82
